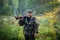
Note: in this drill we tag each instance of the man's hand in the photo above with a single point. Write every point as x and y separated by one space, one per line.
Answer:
36 35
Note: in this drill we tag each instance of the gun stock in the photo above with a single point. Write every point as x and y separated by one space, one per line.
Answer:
18 17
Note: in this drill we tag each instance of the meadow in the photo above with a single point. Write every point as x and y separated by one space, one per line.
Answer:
49 29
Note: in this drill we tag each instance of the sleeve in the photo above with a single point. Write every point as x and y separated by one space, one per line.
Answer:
36 25
21 22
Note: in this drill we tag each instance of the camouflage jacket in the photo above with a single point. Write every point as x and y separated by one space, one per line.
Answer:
30 25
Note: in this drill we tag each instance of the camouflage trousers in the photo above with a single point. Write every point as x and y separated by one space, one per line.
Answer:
31 37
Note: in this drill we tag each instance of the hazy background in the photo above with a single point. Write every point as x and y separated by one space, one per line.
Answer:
47 13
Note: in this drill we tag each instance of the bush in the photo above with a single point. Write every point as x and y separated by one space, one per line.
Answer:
10 30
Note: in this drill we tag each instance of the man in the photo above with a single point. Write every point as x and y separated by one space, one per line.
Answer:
30 25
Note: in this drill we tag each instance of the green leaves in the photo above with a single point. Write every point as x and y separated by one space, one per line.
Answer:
15 3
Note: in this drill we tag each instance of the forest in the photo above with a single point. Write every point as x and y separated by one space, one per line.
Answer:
47 13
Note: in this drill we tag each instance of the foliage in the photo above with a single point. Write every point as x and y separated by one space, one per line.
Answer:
20 6
11 30
47 12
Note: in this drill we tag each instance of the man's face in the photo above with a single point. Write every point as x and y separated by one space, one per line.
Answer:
29 14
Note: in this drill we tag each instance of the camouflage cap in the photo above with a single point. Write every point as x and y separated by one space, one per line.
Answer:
29 11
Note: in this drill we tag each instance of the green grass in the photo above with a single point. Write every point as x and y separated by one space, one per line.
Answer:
10 30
